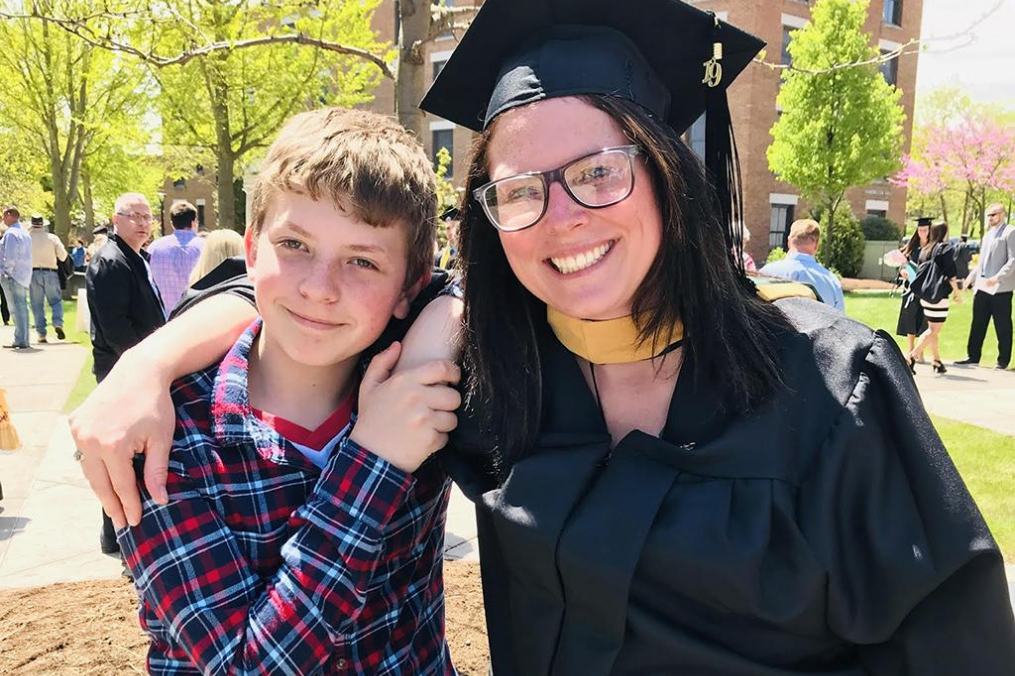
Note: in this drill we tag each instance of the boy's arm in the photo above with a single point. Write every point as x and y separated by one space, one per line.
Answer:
193 574
130 411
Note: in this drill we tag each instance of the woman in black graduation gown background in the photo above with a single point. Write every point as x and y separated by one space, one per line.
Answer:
912 322
673 476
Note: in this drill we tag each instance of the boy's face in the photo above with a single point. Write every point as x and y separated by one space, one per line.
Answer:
325 282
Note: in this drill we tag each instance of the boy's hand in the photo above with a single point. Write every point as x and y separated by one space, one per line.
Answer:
405 417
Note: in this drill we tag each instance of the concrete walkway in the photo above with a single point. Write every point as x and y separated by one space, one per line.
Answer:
49 519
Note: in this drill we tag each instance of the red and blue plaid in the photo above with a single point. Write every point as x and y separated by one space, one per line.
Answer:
262 563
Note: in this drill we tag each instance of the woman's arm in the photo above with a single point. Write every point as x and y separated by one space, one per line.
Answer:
436 334
130 411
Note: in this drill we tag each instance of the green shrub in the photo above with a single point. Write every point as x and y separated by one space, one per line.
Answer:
776 254
880 229
844 252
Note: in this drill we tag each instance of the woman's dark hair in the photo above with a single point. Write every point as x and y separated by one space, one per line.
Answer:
730 334
914 244
938 234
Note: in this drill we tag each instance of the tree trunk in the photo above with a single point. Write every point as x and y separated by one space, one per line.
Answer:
410 80
944 210
61 209
965 212
87 202
224 187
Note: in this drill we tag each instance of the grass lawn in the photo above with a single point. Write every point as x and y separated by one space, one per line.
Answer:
878 310
86 381
986 461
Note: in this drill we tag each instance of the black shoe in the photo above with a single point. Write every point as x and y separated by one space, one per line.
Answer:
59 332
968 361
107 545
939 367
911 362
1001 367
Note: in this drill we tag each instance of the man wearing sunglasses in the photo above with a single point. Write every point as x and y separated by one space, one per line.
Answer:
123 300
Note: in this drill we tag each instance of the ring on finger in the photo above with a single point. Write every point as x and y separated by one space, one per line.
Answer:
78 455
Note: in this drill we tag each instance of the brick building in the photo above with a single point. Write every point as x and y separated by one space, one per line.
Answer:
198 189
770 205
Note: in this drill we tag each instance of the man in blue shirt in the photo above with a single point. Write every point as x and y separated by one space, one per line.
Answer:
801 266
16 273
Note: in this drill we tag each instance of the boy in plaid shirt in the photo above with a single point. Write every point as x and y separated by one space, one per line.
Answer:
303 536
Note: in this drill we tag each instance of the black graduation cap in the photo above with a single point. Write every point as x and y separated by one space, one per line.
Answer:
450 214
651 51
924 220
670 57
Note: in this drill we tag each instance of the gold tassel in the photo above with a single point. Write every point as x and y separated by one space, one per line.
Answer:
9 440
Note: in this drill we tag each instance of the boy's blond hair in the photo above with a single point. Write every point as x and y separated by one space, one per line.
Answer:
366 164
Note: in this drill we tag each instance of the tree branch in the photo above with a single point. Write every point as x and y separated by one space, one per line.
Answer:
108 42
913 46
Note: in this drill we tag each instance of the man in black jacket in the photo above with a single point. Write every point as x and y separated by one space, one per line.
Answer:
122 300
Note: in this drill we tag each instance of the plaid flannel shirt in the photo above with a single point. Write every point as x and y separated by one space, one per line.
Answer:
262 563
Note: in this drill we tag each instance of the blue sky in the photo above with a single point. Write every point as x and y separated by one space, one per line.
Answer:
985 67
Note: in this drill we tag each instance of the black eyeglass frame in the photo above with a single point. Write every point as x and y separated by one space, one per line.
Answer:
551 176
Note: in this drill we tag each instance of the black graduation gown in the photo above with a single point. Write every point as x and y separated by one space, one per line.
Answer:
911 320
827 534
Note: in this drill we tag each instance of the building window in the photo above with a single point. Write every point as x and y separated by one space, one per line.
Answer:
893 12
890 69
438 66
696 137
180 183
200 170
786 58
778 231
880 213
444 138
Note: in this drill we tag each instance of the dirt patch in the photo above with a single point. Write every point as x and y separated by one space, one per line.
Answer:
91 628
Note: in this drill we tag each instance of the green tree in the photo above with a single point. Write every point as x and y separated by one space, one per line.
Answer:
840 128
233 101
65 100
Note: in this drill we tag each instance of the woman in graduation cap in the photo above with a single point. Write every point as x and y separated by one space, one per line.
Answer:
672 474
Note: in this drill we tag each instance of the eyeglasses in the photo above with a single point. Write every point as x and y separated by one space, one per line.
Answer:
136 216
597 180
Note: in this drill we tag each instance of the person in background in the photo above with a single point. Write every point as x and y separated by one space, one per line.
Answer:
77 254
47 252
218 246
446 255
16 274
938 252
174 256
912 322
993 278
963 253
800 264
100 235
749 264
123 302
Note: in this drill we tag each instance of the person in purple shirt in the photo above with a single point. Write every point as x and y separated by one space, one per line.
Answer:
801 266
175 255
16 273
